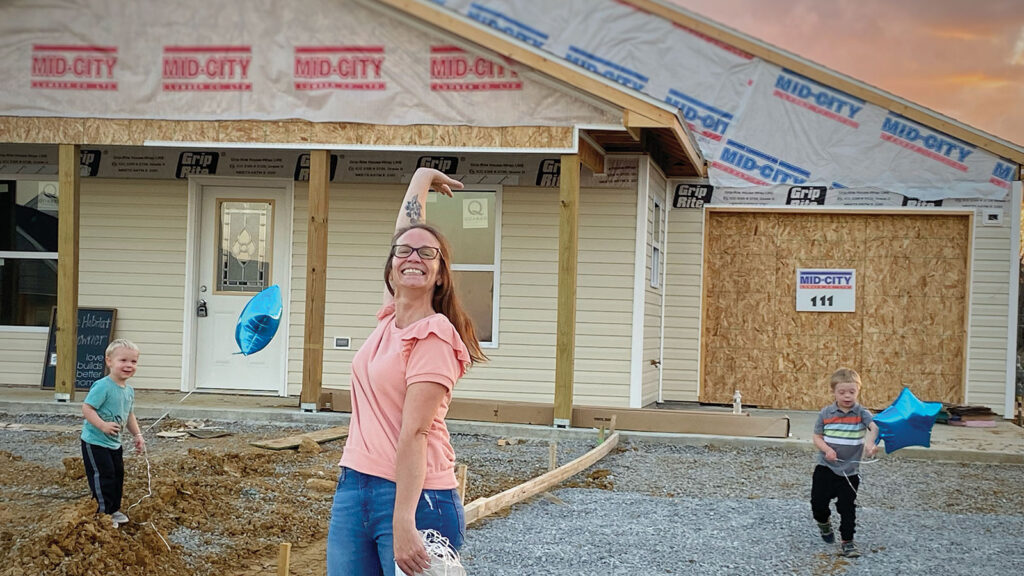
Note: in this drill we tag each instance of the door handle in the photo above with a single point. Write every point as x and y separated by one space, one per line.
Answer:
201 311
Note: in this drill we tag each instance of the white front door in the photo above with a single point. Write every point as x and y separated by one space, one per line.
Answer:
243 248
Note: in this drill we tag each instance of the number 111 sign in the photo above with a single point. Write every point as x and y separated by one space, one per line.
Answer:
826 290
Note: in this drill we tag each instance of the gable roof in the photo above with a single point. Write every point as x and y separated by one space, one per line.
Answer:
670 141
763 117
823 75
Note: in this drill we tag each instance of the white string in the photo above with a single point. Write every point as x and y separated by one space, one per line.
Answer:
168 412
439 548
149 474
855 492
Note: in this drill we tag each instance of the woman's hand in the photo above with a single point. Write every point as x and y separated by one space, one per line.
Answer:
410 554
441 182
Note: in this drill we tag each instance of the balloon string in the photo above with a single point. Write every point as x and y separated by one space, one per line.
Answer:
852 487
149 476
150 427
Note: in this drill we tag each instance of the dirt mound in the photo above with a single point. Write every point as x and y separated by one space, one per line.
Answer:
211 510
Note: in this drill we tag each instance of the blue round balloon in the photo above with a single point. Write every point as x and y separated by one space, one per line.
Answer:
259 320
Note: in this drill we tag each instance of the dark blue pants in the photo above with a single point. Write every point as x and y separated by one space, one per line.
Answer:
360 537
104 468
827 485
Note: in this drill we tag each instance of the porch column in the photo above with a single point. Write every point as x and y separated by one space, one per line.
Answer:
67 272
316 281
568 238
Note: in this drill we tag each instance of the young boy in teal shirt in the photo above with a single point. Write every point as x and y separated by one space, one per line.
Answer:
107 408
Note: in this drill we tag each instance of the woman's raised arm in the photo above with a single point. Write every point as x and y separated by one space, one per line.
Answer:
414 205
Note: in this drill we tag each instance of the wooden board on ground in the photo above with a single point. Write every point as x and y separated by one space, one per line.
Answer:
320 436
463 409
14 426
682 421
482 507
504 412
635 419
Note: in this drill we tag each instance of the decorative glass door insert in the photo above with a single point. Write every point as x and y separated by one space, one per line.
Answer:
244 245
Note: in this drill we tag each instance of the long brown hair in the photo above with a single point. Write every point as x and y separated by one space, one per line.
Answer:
445 299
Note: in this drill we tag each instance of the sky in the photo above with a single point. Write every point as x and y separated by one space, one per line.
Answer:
963 58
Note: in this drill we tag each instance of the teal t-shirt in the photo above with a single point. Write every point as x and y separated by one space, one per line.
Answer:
113 403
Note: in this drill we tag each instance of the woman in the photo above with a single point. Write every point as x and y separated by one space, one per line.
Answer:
397 471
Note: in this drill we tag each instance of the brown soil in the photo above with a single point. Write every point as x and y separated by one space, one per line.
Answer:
216 506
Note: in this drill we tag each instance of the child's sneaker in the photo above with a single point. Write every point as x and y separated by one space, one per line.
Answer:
849 549
119 518
826 532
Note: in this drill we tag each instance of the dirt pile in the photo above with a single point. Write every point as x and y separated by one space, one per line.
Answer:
200 506
216 509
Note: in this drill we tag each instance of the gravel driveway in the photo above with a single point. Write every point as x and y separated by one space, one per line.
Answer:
655 508
706 510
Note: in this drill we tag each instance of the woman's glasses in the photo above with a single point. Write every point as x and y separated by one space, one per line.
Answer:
425 252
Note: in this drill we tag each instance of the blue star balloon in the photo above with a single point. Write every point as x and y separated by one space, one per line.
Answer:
259 320
907 422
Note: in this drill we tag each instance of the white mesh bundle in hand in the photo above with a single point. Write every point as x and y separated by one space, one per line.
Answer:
444 560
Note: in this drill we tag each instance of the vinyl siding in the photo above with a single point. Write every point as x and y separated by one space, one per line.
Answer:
132 258
653 298
522 368
604 306
682 305
987 343
21 358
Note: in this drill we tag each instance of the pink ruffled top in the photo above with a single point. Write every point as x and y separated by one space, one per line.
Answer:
391 359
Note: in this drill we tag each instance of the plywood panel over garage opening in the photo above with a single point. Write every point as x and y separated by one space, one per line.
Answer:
909 327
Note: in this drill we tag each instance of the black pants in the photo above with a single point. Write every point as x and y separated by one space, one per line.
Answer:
827 485
104 468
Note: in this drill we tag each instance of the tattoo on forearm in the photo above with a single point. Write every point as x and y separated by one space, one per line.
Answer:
413 210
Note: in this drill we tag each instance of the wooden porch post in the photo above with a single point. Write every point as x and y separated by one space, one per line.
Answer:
316 281
568 239
67 272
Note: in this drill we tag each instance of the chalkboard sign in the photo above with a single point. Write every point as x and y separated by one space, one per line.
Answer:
95 329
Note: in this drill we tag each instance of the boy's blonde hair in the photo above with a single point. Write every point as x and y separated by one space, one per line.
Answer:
120 343
844 376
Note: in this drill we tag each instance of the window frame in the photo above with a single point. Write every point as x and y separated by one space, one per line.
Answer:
494 268
27 255
658 229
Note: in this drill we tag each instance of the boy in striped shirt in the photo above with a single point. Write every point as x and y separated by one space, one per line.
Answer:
844 432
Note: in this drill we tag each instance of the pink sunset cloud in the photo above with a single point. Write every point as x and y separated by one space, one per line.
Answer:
962 59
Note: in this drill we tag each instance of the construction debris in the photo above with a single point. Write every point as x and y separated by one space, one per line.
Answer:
13 426
969 416
291 442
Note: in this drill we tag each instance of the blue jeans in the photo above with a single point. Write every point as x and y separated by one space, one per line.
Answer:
360 539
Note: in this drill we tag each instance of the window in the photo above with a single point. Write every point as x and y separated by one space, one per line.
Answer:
244 245
28 252
656 242
470 221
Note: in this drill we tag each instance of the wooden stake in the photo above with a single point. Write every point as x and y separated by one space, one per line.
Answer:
552 456
611 425
460 474
284 555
